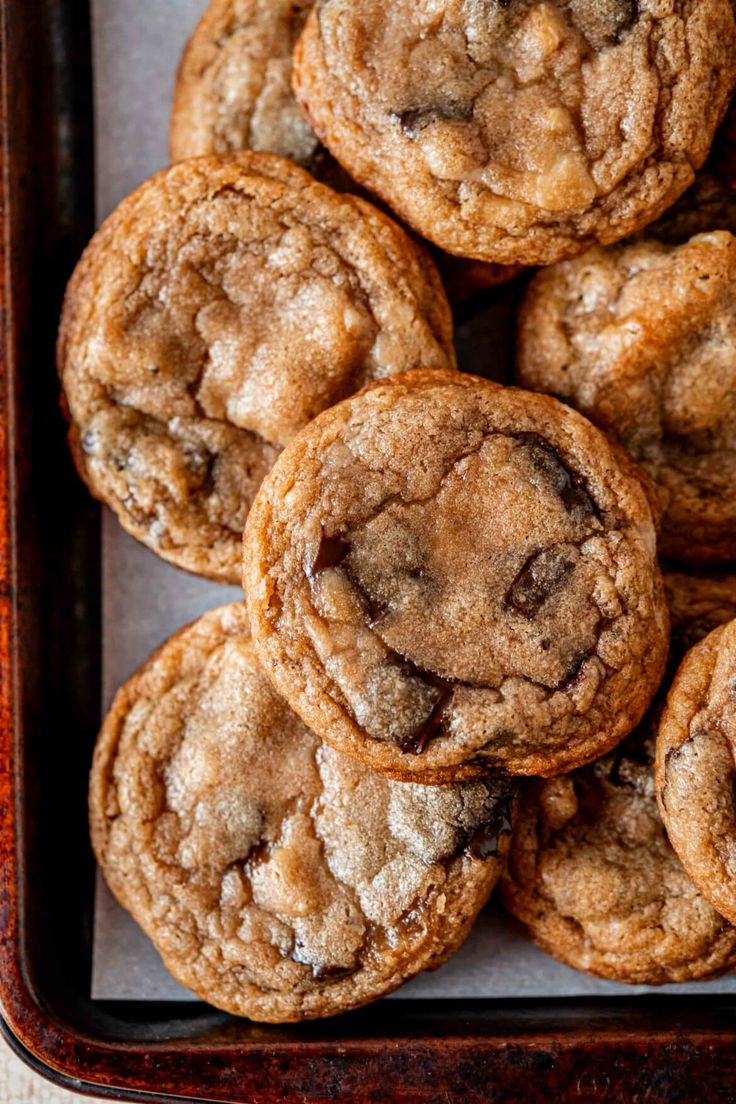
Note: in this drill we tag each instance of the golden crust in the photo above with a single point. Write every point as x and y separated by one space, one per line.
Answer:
591 871
695 767
593 876
233 84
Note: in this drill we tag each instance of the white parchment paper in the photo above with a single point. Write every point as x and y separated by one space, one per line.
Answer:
136 46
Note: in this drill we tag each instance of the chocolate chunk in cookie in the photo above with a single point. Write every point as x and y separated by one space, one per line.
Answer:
447 577
696 766
641 339
221 306
278 879
519 132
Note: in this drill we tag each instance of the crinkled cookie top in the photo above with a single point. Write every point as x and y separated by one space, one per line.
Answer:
596 880
591 870
278 879
233 86
446 577
696 766
519 131
221 306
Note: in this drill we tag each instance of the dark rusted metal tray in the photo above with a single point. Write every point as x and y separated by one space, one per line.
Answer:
626 1049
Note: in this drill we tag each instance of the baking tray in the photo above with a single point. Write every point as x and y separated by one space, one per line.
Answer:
651 1049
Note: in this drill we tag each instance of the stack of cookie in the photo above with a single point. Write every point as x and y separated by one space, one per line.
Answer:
453 594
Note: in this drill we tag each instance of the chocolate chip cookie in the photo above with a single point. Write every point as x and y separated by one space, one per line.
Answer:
695 767
519 131
278 879
447 577
592 875
219 308
641 339
233 87
233 92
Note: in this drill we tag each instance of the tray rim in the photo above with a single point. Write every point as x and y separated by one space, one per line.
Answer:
602 1059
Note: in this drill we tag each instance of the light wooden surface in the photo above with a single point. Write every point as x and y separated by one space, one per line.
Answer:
20 1085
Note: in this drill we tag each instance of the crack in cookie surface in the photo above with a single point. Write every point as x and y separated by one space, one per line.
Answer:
591 871
233 87
233 92
400 569
594 877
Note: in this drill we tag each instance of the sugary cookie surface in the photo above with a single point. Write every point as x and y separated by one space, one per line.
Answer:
640 338
278 879
233 92
446 577
233 87
519 130
591 870
219 308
